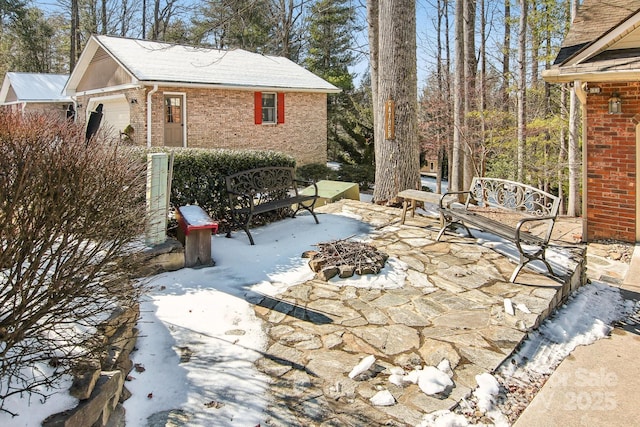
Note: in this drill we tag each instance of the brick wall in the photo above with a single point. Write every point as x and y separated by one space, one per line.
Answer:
225 119
611 163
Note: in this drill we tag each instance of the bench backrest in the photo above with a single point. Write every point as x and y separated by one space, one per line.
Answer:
513 196
262 180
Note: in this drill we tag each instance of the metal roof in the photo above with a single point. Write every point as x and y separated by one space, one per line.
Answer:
34 87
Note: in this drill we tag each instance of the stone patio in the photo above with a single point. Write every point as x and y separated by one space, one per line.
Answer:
450 307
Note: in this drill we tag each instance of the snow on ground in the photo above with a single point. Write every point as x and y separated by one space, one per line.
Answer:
199 335
585 318
207 313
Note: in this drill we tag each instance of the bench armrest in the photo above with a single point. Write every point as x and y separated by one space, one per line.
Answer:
523 221
451 193
307 183
247 199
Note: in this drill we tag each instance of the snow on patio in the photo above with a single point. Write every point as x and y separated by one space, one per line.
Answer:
199 334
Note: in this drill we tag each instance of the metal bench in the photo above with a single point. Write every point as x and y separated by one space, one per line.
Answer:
256 191
194 232
507 209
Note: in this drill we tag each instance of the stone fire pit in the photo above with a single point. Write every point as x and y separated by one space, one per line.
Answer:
345 258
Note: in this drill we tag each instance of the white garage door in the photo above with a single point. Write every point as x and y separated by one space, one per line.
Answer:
115 113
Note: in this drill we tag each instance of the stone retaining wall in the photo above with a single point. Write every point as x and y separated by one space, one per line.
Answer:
99 383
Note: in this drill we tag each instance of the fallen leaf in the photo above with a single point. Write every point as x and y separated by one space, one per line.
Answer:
214 404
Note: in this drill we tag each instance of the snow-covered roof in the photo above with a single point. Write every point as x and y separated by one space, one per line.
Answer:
34 87
154 62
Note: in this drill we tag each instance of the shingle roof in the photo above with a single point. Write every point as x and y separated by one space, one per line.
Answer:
594 18
35 87
150 61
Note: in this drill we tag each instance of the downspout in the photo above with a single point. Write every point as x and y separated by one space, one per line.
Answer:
149 95
74 99
581 93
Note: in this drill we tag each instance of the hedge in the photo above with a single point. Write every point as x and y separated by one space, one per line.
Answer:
199 174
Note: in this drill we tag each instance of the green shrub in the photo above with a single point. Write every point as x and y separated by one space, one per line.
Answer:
315 172
364 175
199 175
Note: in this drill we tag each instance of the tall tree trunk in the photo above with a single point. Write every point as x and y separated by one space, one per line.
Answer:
144 19
397 153
155 29
562 151
535 43
506 55
470 67
458 100
372 20
483 75
74 51
522 90
441 95
449 103
573 154
104 17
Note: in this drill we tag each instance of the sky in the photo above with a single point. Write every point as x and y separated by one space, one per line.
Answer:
204 309
425 37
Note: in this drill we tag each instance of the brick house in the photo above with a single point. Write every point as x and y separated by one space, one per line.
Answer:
182 96
600 56
35 93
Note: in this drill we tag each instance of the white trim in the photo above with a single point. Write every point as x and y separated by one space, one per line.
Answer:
236 87
109 97
606 40
106 89
554 75
184 114
149 105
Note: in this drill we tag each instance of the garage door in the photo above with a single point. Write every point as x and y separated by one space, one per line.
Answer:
115 113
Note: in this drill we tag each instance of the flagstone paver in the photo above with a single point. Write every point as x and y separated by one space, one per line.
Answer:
450 306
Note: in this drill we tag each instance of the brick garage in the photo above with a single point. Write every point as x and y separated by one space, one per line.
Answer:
174 95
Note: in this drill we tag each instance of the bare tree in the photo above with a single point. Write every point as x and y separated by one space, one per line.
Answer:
469 66
286 20
574 150
522 89
68 215
75 42
506 55
456 182
163 12
373 22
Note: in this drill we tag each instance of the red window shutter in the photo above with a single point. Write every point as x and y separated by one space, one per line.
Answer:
257 107
280 107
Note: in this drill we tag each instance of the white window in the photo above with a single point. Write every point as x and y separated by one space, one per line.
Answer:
268 107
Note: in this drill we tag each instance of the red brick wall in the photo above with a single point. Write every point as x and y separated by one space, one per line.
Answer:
611 163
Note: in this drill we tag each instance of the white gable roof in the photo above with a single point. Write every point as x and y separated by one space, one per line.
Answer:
35 87
150 62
